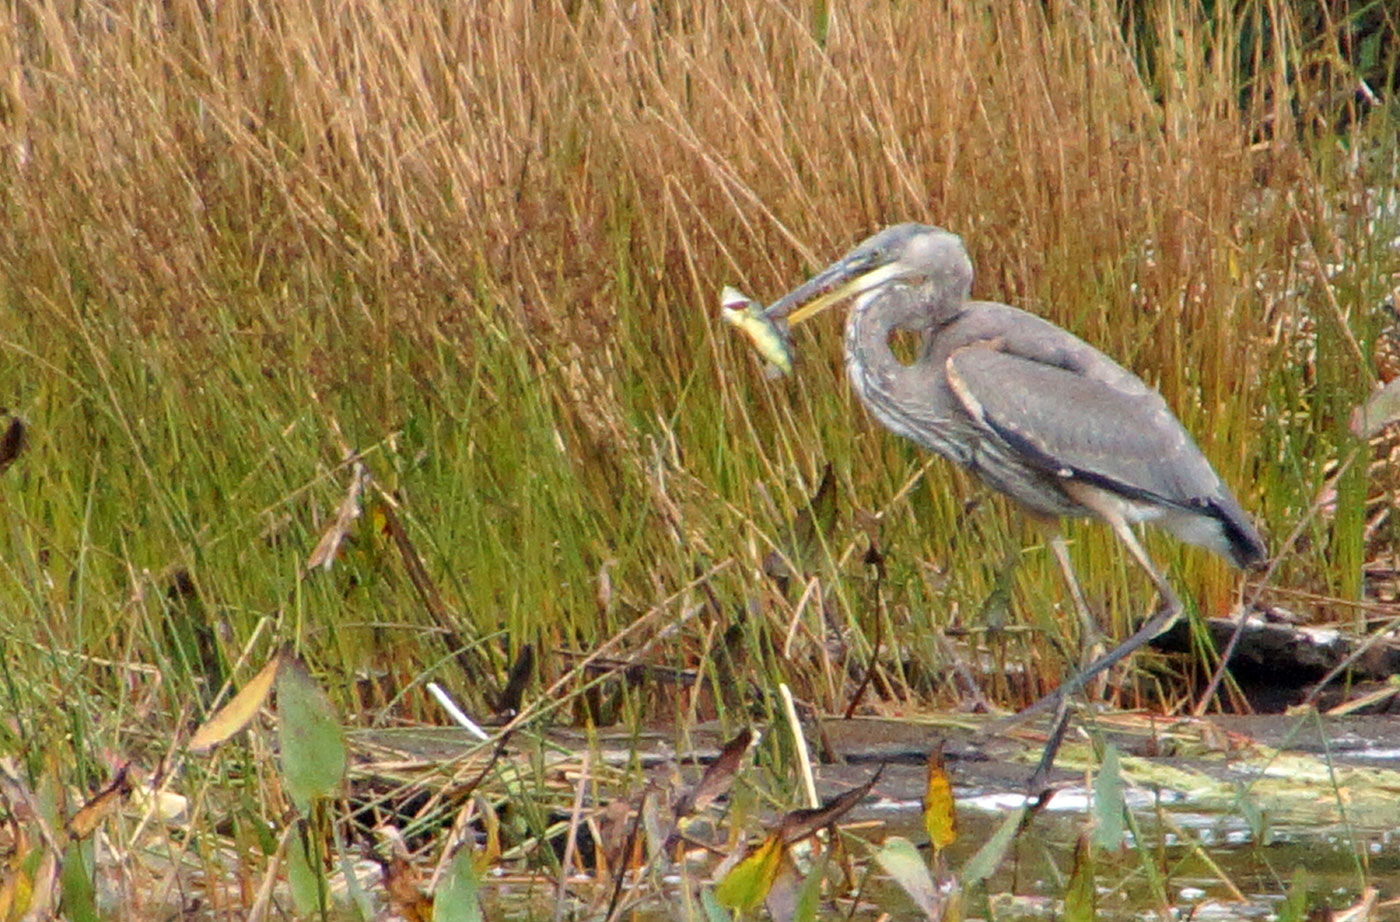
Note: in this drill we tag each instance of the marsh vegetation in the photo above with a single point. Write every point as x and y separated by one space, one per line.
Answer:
388 333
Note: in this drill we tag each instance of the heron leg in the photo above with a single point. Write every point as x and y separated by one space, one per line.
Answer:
1167 612
1165 616
1089 632
1058 726
1124 531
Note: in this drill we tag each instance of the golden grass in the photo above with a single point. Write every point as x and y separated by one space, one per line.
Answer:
485 241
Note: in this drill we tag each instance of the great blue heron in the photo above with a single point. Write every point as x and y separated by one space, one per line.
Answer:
1033 410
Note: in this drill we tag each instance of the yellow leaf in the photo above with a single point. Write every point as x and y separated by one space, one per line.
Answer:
15 890
747 884
42 890
940 818
237 714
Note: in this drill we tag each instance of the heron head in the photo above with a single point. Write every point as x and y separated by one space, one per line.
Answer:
917 255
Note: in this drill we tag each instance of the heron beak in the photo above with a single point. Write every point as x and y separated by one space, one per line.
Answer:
845 279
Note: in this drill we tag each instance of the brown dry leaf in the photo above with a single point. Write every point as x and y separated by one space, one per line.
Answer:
345 515
799 824
520 673
719 775
237 714
614 821
412 560
11 443
86 819
1081 896
405 896
402 882
940 817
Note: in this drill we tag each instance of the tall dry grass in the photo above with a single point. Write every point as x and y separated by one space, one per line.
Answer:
482 242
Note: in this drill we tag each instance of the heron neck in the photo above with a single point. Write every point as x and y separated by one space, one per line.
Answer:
881 381
878 315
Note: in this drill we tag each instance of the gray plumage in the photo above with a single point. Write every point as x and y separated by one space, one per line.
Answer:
1036 412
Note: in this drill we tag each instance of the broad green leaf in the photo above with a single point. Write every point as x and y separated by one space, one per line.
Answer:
313 749
456 897
902 861
1108 803
746 885
983 864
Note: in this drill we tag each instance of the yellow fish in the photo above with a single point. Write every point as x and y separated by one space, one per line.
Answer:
748 315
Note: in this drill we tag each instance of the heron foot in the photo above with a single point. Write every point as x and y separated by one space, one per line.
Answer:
1163 618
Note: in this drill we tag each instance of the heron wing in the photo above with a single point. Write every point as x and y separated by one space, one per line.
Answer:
1034 338
1115 433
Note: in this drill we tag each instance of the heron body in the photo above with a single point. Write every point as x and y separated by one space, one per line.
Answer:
1042 416
1033 410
